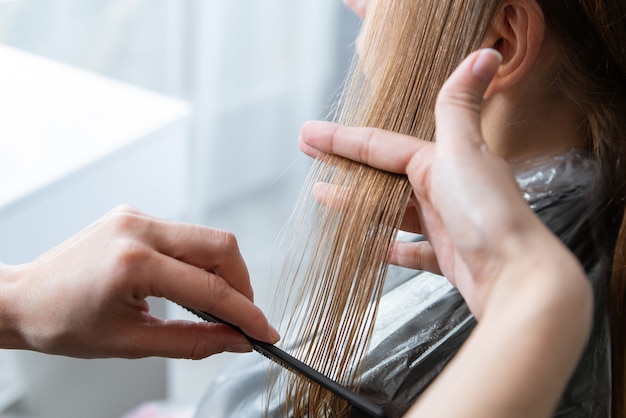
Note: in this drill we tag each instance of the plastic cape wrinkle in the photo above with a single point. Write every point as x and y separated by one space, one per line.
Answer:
423 321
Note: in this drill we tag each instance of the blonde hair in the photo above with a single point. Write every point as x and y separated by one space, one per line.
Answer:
339 250
408 50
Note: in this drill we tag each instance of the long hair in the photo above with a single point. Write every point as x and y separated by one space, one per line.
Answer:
339 249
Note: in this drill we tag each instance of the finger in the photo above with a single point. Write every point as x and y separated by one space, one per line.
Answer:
200 246
377 148
337 198
415 255
197 288
207 248
181 339
331 196
459 102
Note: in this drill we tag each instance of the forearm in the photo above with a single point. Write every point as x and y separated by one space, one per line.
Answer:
524 348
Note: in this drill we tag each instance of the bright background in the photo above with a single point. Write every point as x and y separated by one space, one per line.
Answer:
188 109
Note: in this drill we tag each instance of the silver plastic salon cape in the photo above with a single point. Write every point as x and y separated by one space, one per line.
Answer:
423 320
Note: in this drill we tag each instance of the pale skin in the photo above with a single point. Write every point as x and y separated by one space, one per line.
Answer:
87 297
534 311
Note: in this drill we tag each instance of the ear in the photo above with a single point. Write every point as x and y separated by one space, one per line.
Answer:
517 32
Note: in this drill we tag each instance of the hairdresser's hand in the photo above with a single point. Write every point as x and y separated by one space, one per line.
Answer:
87 297
466 201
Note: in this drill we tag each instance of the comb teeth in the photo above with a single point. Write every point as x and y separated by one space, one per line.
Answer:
294 365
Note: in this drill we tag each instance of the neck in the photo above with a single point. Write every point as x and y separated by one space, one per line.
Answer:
532 117
548 126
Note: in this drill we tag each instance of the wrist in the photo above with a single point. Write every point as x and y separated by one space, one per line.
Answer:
541 279
10 302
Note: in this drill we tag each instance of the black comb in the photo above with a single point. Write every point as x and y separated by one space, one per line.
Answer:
291 363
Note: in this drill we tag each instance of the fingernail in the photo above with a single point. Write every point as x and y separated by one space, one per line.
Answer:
486 64
238 348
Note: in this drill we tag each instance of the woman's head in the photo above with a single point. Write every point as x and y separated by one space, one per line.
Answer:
565 55
406 50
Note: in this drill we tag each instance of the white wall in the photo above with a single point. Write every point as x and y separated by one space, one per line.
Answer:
258 70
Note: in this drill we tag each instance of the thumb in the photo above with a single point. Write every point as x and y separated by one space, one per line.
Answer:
458 105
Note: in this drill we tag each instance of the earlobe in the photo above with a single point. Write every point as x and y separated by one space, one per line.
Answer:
517 33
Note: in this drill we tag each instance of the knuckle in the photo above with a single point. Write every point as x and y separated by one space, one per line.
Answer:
128 255
366 146
126 223
197 350
125 208
417 255
418 169
216 290
226 240
460 99
203 347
